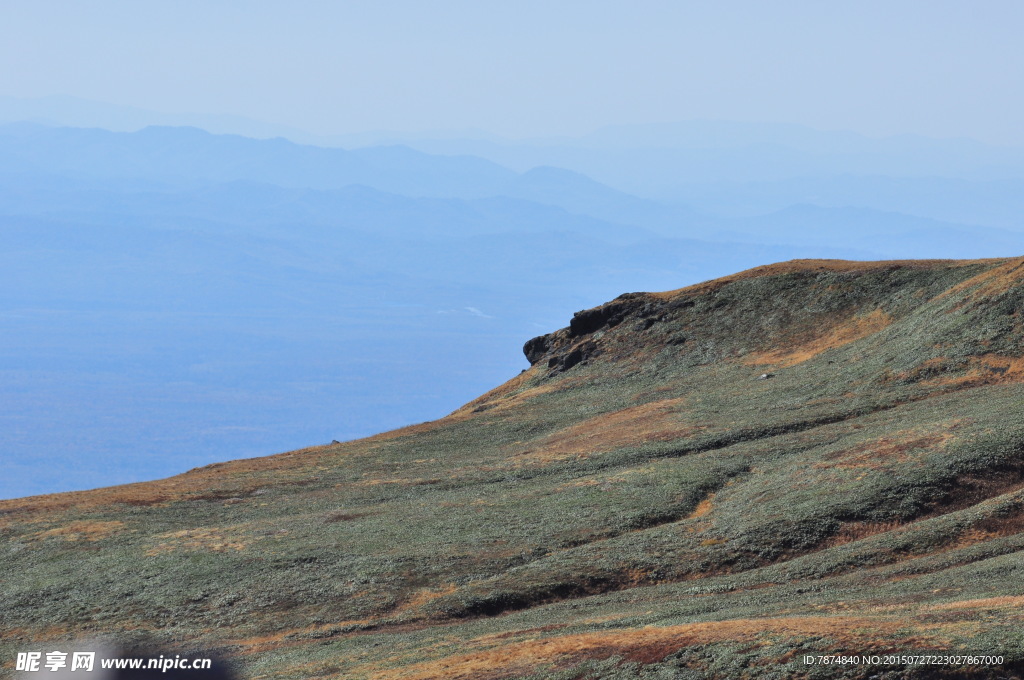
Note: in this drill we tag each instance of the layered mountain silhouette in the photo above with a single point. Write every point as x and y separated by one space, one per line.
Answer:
166 305
809 458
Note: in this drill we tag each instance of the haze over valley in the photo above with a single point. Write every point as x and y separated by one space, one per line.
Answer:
174 297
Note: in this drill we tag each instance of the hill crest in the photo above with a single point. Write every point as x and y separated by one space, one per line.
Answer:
809 457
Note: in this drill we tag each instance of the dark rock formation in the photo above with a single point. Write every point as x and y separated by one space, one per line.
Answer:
536 348
563 349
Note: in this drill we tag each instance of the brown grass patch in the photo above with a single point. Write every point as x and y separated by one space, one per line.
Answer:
208 539
975 536
84 530
921 372
426 595
886 451
987 369
855 531
854 329
992 282
1002 516
505 391
998 526
703 508
654 421
713 541
646 645
509 395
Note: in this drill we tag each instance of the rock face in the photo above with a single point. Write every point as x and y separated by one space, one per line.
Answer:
536 348
809 458
573 345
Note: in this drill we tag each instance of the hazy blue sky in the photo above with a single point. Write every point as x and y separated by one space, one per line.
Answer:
934 67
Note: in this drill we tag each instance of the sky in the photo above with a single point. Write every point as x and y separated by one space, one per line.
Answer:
533 69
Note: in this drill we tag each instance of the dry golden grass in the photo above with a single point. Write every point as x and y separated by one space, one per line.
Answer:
990 283
506 390
975 536
82 530
807 348
425 596
987 369
655 421
509 396
207 539
645 645
703 508
1002 602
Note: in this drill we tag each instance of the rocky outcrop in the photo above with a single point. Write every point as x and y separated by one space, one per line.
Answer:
574 345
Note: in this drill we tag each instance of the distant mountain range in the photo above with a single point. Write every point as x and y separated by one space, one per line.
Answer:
217 296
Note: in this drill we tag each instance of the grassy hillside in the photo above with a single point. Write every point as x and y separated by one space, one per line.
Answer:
815 457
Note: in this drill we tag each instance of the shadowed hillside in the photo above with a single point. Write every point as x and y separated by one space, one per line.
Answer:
814 457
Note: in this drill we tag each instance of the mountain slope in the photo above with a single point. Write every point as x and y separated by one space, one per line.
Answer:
815 457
